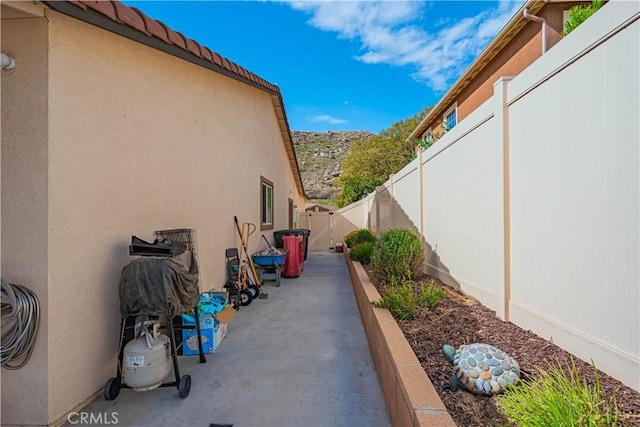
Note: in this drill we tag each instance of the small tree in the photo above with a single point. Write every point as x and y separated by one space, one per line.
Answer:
372 160
356 187
579 14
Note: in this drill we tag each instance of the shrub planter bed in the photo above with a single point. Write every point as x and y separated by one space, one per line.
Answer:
461 319
410 396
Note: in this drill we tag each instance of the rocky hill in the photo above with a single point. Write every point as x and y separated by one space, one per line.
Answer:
320 156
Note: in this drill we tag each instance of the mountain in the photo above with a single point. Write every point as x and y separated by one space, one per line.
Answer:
320 156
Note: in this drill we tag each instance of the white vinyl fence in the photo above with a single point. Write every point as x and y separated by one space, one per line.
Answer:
531 203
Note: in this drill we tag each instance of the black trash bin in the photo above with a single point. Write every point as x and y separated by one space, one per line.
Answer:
278 235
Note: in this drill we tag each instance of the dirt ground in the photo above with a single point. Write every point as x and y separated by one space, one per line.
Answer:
458 320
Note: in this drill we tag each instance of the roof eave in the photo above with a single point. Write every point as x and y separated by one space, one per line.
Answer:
281 117
86 14
513 26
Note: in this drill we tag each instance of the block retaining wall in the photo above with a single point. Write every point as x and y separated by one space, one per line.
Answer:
410 396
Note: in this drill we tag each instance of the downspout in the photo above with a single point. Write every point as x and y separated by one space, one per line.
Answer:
543 21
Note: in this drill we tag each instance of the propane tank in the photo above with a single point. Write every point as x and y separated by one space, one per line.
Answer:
147 362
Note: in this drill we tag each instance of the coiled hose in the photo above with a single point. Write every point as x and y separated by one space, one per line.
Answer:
20 318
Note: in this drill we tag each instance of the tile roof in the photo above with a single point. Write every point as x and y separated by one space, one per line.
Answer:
133 23
133 17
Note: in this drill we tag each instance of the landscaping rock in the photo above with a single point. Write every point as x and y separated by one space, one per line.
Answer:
481 368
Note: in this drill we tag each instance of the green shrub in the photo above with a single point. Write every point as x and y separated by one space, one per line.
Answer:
398 255
404 300
362 252
359 236
558 397
431 294
579 14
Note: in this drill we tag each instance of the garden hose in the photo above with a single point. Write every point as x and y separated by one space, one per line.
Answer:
20 317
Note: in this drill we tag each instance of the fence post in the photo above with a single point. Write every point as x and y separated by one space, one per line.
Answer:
367 212
391 201
503 293
376 202
421 196
421 210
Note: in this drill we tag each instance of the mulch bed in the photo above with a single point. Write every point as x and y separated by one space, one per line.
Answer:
460 319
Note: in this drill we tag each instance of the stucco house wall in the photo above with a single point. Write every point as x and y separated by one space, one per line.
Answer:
522 50
24 212
517 55
104 138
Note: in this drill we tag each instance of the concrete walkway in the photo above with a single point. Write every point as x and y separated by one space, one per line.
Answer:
298 358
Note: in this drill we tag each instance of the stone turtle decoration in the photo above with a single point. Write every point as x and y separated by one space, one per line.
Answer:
481 368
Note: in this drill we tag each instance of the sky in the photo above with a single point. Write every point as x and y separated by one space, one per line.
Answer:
344 65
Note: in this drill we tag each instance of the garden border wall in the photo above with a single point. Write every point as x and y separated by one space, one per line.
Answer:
410 396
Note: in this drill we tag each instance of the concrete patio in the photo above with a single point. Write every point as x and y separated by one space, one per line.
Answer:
298 358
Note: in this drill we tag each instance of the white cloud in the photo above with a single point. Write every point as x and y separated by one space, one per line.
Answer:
325 118
389 33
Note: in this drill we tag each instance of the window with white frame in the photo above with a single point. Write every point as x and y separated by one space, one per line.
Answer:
266 204
450 118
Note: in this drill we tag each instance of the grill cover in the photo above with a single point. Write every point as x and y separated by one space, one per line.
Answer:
159 285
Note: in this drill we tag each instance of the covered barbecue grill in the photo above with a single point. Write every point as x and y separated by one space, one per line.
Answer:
159 284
